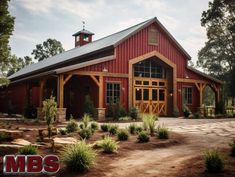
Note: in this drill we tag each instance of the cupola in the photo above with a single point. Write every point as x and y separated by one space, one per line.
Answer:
83 37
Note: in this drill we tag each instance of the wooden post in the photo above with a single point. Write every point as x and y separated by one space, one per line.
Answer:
61 91
101 88
41 85
200 87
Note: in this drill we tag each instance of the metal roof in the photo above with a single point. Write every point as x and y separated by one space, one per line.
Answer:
108 41
83 32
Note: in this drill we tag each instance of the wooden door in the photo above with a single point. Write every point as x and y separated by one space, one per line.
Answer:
150 95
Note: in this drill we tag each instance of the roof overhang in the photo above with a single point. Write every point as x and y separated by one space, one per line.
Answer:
204 75
68 68
84 64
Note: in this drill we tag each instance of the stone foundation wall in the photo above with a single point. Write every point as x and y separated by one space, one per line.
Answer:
101 114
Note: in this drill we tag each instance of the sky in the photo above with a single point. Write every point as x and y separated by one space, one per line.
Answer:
38 20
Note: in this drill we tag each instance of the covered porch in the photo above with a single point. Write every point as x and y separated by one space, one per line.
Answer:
70 90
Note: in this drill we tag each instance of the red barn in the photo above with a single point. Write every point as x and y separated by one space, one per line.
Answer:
142 66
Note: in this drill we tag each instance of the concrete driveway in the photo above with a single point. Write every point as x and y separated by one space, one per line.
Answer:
214 127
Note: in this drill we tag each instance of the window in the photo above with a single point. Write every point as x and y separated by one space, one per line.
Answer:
187 95
112 92
86 37
153 36
149 68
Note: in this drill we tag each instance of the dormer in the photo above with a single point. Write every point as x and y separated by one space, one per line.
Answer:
83 37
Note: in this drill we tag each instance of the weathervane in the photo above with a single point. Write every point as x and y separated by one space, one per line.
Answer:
83 23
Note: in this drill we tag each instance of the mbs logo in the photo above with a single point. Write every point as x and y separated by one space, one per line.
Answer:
29 164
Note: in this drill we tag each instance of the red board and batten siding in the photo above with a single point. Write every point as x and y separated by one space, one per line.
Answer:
14 95
135 46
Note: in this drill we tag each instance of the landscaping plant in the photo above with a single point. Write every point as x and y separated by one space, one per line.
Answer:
134 113
86 119
62 131
107 144
89 107
4 137
72 126
28 150
132 129
162 133
143 137
123 135
78 157
85 133
113 129
49 109
213 161
232 145
94 126
139 129
105 127
149 123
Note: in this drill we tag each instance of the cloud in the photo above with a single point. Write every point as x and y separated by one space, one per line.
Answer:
36 6
37 20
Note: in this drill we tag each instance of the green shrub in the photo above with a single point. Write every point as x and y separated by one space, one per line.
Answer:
196 115
4 137
232 145
63 131
72 126
115 110
107 144
78 157
134 113
121 112
81 126
28 150
109 112
132 129
49 109
149 123
113 129
105 127
139 129
143 137
213 161
94 126
89 107
123 135
186 111
162 133
86 119
85 133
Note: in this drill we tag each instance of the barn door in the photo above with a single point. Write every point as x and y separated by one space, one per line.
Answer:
150 96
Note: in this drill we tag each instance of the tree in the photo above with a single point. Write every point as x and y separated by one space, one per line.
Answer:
6 28
218 54
16 63
47 49
49 109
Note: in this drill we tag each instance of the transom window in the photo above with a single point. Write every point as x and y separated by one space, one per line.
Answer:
112 92
149 68
187 95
